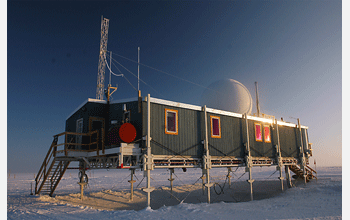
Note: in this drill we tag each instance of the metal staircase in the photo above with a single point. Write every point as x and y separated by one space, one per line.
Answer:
51 171
300 174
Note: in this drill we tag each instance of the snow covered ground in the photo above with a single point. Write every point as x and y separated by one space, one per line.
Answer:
107 196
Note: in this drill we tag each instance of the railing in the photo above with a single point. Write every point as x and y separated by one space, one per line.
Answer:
72 142
45 167
57 175
80 142
311 172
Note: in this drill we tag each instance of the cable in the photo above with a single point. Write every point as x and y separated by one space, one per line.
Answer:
134 75
190 191
271 175
140 183
129 83
122 75
110 68
164 72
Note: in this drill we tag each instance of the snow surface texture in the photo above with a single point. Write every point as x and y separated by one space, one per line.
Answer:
108 192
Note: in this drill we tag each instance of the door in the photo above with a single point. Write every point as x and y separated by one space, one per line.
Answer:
97 124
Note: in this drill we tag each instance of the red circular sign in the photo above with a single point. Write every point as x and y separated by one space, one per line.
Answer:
127 132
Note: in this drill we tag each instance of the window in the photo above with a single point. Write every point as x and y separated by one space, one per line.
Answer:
267 135
258 132
171 121
215 127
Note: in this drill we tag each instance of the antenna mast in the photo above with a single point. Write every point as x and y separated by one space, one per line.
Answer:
257 99
102 61
138 68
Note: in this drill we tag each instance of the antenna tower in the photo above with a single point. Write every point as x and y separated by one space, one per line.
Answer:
102 57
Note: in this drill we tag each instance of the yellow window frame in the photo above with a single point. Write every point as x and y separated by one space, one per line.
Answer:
211 126
176 122
267 141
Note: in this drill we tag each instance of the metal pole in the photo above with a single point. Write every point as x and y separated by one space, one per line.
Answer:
110 68
279 158
315 169
132 181
303 164
171 180
82 183
257 99
249 159
206 158
229 170
138 68
289 180
148 148
203 180
148 125
148 156
250 181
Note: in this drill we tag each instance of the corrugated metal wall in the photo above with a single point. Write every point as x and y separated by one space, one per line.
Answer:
191 131
188 139
289 139
261 149
231 141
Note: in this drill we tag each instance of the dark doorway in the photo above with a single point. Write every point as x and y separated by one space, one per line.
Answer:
97 124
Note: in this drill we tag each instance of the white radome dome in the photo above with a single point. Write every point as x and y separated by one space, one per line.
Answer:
228 95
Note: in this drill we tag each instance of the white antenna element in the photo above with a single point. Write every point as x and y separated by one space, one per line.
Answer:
138 68
110 69
257 99
102 57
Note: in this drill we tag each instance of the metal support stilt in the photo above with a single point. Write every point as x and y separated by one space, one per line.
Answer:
171 180
281 178
250 181
206 156
132 181
82 180
302 152
147 174
203 180
82 185
279 157
148 164
288 177
208 185
248 158
148 188
229 170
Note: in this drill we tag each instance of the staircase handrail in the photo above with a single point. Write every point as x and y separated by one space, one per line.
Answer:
311 169
49 154
63 165
44 172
